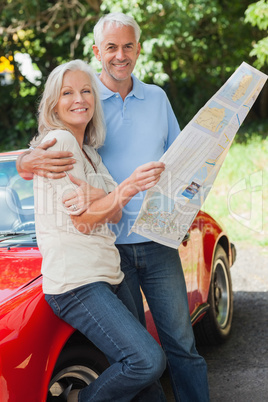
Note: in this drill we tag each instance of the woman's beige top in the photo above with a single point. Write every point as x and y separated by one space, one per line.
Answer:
70 258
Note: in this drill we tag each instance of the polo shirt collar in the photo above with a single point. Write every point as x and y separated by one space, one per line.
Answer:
136 91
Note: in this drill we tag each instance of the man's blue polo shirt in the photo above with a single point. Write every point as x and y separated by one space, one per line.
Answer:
139 130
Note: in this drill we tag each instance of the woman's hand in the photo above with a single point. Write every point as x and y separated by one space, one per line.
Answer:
80 199
143 178
102 207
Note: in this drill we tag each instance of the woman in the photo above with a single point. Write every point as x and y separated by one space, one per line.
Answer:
82 280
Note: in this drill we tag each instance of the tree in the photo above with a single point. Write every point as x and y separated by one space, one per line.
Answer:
51 33
189 47
257 15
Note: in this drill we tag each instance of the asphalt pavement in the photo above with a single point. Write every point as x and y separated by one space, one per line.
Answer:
238 369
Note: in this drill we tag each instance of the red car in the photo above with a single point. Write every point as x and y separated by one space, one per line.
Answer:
40 355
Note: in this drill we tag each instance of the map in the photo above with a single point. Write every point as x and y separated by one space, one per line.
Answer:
160 213
195 158
240 85
214 117
211 118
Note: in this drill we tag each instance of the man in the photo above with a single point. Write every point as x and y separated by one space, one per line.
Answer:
140 127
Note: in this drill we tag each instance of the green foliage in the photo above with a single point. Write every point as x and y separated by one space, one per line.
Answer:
189 48
260 50
50 32
257 15
239 197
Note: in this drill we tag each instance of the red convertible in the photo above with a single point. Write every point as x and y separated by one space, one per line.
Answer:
40 355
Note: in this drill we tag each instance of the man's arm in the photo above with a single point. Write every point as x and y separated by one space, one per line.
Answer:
45 163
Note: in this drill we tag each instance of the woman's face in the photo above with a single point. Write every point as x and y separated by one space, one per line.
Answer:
76 104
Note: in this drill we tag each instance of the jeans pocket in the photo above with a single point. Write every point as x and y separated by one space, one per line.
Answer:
53 304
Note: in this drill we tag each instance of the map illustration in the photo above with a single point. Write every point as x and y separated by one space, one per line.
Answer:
214 117
160 214
239 86
242 87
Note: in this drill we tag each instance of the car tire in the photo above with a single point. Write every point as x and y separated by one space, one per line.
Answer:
78 365
215 327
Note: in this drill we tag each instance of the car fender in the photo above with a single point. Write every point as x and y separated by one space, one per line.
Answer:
32 339
213 235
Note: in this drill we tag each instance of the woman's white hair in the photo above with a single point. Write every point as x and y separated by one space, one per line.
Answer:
47 118
117 19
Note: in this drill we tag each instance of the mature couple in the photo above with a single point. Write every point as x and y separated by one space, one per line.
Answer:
88 281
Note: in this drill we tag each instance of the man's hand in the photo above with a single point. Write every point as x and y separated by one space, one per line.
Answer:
79 200
40 161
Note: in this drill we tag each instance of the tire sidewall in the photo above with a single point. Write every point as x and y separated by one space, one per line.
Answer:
220 332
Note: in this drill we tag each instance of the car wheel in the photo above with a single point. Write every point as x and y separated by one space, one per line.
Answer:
78 365
215 326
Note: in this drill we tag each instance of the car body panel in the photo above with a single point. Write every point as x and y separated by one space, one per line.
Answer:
26 318
19 265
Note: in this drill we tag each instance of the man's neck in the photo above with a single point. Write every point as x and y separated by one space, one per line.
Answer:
122 87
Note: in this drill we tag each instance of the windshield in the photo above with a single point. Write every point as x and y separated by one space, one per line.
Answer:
16 200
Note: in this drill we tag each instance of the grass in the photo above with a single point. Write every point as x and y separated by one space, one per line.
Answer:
239 197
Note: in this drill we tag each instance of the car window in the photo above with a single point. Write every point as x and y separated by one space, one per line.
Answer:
16 200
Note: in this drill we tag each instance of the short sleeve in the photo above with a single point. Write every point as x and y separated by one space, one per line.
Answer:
173 126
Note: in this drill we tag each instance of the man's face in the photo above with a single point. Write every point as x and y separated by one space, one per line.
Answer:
118 53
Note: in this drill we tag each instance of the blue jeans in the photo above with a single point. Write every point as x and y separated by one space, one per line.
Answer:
138 361
157 270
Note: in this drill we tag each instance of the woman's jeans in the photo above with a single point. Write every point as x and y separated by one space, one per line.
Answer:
157 269
138 361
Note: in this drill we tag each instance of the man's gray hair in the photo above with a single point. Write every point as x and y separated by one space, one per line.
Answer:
118 20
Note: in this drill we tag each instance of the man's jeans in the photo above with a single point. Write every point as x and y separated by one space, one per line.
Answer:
157 269
97 311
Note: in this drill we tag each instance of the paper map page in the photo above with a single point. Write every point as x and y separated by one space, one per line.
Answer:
195 158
